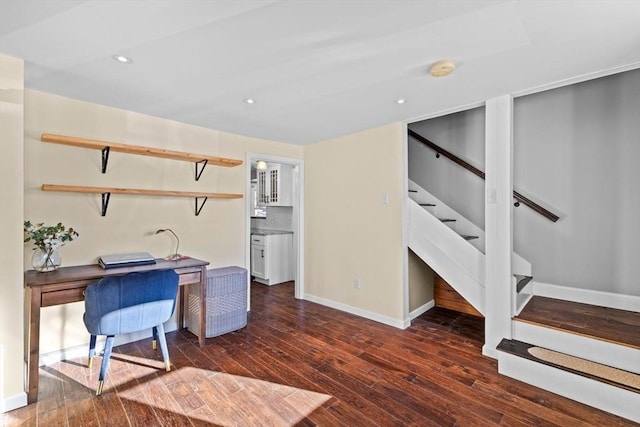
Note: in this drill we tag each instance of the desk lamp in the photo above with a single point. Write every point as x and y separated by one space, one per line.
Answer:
176 255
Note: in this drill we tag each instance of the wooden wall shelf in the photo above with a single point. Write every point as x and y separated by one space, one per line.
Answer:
106 147
107 191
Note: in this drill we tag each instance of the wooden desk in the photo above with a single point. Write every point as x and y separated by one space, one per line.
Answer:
67 284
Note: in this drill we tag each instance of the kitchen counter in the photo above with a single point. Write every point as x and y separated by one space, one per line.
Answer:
266 232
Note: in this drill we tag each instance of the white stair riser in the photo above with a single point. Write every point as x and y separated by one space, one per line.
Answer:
603 396
607 353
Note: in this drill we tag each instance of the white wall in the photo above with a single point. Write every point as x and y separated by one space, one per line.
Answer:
349 231
11 206
216 235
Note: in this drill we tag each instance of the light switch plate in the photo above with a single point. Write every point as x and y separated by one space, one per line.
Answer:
385 198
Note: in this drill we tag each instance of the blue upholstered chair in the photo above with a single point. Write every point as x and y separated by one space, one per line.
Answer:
129 303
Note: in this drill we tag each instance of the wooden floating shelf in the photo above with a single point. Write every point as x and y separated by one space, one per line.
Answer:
107 191
106 147
139 191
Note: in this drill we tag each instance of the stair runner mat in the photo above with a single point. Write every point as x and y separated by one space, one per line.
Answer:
586 366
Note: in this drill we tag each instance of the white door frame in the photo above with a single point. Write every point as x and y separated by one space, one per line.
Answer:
298 214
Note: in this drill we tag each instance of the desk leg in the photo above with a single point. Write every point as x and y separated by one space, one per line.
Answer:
33 339
181 308
203 306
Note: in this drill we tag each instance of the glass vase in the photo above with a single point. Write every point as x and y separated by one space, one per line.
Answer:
45 260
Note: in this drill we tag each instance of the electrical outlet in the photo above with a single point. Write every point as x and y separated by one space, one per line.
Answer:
356 283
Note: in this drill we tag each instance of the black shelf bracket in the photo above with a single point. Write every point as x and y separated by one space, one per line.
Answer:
199 172
105 158
199 208
105 202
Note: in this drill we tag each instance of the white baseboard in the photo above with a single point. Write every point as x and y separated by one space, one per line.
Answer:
490 351
588 296
359 312
13 402
422 309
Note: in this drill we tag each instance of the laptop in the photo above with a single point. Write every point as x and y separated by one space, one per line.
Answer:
125 260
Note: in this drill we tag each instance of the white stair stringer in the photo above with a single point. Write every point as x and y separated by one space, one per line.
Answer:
441 210
604 352
463 226
618 401
458 263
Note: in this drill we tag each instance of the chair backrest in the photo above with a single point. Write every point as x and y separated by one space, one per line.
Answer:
131 302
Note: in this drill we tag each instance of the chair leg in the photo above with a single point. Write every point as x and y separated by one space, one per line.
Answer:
154 343
108 346
163 346
92 350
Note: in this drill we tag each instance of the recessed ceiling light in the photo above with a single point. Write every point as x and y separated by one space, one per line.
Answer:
400 101
250 101
123 59
442 68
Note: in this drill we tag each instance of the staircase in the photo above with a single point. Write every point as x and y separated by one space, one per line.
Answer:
590 353
599 337
451 245
585 352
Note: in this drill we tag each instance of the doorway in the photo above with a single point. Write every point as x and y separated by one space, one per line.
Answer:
297 214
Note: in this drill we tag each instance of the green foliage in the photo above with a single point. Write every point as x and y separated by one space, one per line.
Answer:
48 237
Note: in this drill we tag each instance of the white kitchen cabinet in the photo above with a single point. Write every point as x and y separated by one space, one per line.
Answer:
257 258
275 186
271 258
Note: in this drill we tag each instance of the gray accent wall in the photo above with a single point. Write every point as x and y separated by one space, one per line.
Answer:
463 135
577 149
577 153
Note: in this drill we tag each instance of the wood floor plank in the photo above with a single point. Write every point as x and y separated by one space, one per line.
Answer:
51 409
300 363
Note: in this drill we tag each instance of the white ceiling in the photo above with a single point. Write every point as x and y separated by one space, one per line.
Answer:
316 68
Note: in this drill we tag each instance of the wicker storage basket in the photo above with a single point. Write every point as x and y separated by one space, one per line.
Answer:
226 305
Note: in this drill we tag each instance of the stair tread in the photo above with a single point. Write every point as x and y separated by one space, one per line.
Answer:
603 323
522 349
447 219
426 204
468 237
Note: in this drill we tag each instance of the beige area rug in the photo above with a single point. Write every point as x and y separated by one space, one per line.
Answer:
588 367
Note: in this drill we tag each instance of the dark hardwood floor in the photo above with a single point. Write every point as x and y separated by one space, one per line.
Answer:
299 363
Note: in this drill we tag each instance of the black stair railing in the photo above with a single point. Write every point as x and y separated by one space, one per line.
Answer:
519 197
